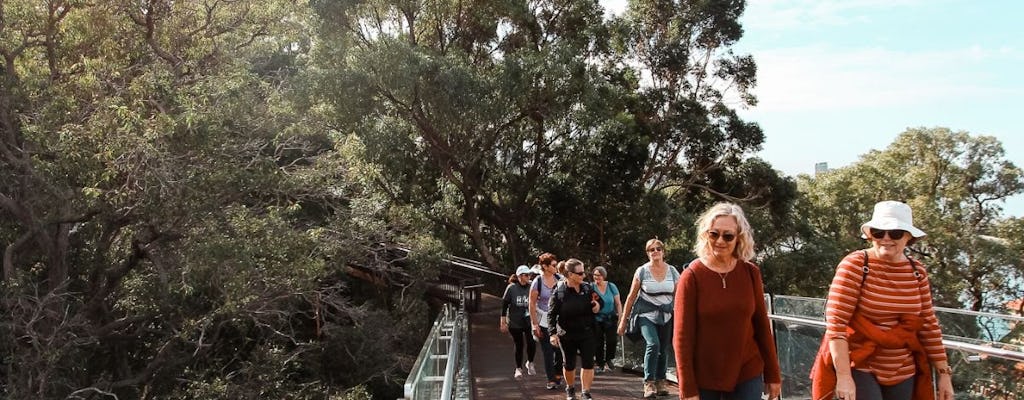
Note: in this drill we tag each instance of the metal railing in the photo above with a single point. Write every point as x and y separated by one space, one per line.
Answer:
433 375
984 348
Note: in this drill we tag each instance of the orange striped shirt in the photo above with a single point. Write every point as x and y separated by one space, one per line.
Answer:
891 289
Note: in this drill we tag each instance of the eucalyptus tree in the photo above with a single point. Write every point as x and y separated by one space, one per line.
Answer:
467 108
159 237
520 125
956 184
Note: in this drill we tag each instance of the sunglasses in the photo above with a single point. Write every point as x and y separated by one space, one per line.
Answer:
895 234
714 235
580 273
654 249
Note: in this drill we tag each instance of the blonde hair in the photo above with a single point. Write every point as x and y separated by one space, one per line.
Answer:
652 242
744 238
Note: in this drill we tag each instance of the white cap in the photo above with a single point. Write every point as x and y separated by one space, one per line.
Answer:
522 269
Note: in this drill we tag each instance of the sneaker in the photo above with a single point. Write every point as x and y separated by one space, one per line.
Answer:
530 370
586 396
570 393
662 387
519 373
552 385
649 391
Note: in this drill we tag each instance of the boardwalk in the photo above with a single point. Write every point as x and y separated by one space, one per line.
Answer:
492 364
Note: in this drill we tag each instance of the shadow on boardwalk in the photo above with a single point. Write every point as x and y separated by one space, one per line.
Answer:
492 363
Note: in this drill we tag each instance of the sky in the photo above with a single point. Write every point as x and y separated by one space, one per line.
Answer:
838 78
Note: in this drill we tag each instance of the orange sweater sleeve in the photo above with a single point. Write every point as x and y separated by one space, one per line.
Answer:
843 295
684 332
763 331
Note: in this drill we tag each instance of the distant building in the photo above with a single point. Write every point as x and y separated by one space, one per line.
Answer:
820 167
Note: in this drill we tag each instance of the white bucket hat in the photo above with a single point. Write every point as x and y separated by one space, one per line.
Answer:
523 270
891 215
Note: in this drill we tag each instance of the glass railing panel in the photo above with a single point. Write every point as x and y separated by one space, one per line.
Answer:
980 328
426 379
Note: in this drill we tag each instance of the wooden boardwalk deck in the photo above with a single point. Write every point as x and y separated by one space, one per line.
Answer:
492 363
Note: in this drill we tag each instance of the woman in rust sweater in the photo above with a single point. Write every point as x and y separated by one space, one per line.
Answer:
723 338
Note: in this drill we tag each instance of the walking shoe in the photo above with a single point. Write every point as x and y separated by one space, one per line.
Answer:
530 370
661 386
649 391
586 396
570 393
518 374
552 385
598 370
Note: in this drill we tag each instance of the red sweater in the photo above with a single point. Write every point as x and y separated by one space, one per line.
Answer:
722 336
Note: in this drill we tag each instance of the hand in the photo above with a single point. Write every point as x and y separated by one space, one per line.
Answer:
594 306
945 387
774 390
503 327
845 388
622 330
537 332
554 340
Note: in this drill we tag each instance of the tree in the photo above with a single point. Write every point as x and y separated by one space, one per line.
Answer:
955 184
501 120
170 220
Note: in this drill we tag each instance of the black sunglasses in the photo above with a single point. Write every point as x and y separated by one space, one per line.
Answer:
714 235
894 234
654 249
581 273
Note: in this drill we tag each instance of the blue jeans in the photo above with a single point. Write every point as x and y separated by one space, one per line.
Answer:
747 390
658 349
552 358
868 388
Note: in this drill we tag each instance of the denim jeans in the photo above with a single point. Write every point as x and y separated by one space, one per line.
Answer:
658 349
868 388
749 389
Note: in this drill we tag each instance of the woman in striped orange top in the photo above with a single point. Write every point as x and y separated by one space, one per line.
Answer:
882 335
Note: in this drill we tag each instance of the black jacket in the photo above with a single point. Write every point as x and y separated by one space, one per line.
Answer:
571 310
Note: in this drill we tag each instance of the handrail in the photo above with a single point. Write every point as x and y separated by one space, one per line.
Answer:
453 357
953 344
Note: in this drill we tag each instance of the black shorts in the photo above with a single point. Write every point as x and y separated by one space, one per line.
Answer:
583 346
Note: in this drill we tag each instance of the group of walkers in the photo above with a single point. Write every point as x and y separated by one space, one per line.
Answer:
882 339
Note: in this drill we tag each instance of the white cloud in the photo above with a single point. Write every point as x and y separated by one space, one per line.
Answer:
788 14
821 77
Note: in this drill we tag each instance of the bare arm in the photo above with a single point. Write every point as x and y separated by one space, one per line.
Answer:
533 311
840 349
634 291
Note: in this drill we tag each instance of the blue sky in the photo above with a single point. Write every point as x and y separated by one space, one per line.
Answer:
837 78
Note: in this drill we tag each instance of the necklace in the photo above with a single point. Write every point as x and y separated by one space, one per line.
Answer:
723 277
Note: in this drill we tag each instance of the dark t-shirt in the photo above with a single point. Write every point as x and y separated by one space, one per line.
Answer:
516 305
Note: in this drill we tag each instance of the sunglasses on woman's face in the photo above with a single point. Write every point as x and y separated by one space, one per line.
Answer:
580 273
654 249
894 234
727 237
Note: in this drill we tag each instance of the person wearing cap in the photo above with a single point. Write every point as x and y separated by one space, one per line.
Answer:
515 320
882 339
